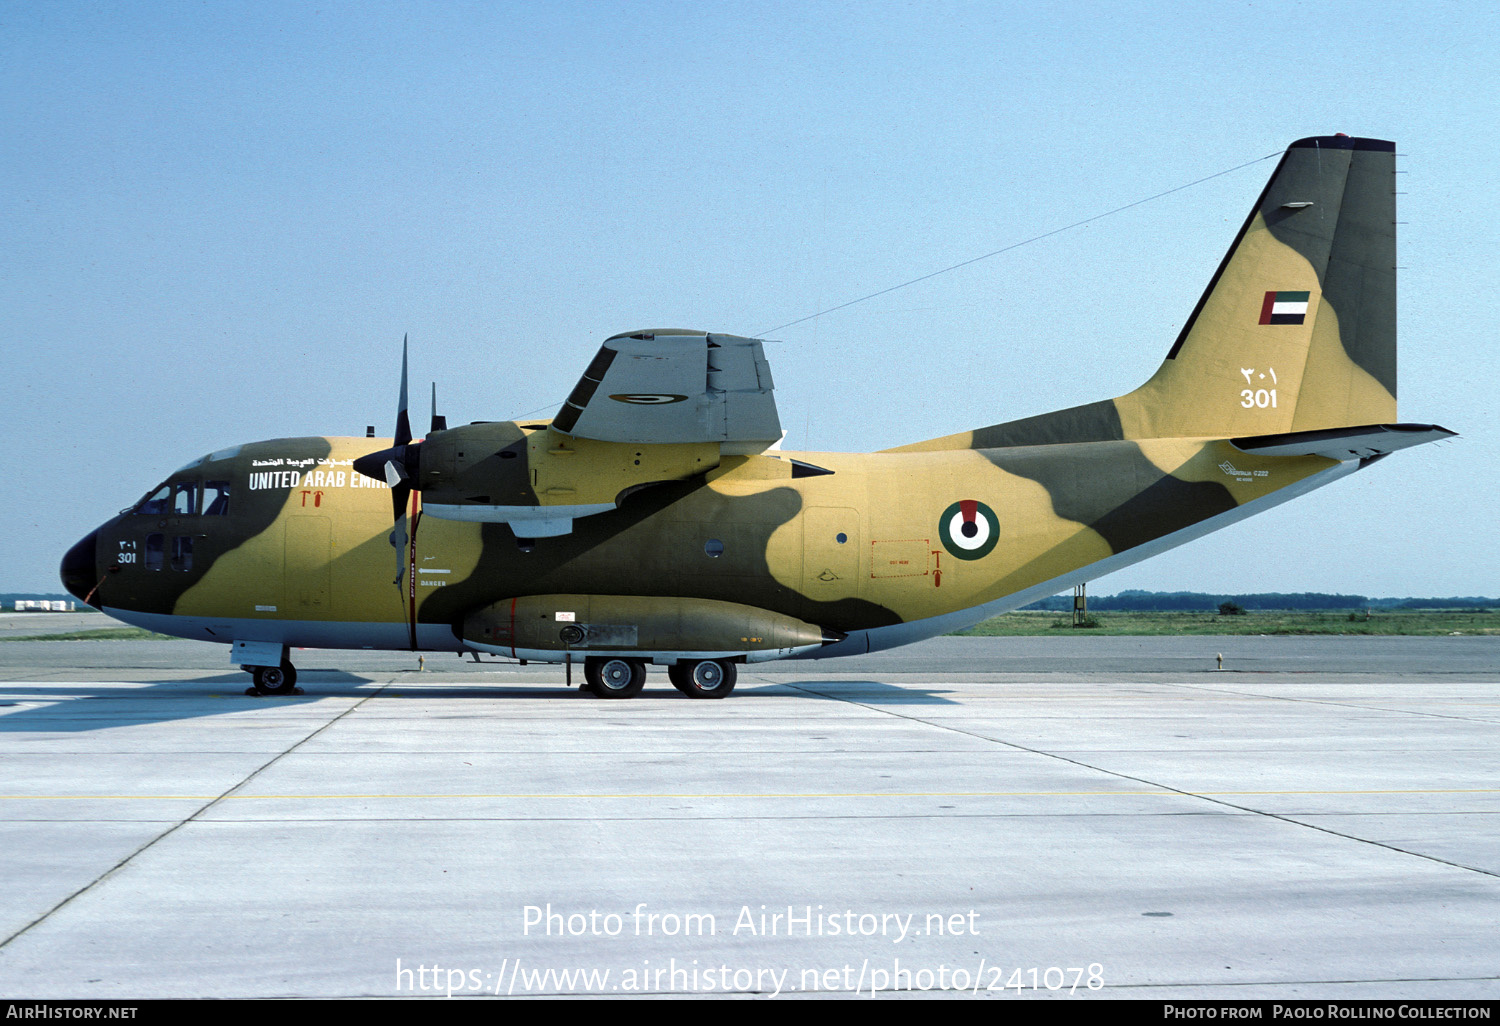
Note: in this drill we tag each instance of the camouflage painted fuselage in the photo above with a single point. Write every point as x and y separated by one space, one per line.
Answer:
303 555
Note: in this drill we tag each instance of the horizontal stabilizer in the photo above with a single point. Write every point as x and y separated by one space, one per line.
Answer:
1351 443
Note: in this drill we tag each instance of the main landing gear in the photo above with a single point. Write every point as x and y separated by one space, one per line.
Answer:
707 678
619 677
273 680
614 676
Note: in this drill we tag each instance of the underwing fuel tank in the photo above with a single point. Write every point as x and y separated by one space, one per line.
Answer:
551 628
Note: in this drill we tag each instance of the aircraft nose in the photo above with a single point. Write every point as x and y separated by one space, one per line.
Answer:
80 568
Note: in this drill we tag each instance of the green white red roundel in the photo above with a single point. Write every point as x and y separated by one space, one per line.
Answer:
969 529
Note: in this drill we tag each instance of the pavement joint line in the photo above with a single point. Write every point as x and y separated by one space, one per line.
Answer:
1167 787
172 829
1339 705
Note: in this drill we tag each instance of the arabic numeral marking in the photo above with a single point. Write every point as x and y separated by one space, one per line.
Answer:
1096 973
1259 399
126 557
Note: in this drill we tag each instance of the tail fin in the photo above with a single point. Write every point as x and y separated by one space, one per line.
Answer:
1295 332
1297 329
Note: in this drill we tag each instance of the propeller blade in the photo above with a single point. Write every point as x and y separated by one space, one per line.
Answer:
398 541
439 423
403 422
396 467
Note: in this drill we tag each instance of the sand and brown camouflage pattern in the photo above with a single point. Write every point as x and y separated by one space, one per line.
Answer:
1291 350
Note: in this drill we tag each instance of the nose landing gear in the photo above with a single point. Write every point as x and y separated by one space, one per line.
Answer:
273 680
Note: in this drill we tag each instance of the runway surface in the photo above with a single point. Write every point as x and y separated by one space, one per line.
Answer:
983 818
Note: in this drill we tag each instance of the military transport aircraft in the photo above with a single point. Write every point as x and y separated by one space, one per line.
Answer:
654 519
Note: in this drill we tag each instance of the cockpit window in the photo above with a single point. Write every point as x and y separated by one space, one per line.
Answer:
158 503
215 498
182 499
154 551
185 498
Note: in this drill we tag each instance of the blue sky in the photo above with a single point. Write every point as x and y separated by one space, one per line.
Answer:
222 218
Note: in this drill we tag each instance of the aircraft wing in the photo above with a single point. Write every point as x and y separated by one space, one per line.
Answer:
1348 443
668 386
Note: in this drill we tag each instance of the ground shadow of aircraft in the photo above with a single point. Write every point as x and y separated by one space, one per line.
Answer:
69 709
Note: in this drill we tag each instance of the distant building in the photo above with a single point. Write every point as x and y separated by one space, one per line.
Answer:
44 605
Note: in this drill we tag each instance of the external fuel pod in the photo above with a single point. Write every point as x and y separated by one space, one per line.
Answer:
551 628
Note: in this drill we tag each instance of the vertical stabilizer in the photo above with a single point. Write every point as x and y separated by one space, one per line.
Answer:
1297 328
1295 332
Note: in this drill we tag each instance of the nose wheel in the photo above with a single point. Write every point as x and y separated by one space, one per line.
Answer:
273 680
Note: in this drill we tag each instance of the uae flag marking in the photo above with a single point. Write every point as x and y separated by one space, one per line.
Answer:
1284 308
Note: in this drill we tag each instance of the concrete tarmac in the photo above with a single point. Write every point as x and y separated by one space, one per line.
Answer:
983 818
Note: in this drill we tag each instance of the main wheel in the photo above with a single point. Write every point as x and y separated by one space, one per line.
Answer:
615 676
707 678
275 680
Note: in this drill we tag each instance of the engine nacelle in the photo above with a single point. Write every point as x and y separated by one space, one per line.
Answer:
551 628
534 478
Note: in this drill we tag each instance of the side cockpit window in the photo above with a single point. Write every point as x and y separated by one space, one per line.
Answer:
182 499
216 498
154 551
185 498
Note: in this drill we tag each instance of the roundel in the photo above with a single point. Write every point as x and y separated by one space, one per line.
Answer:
969 529
649 398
